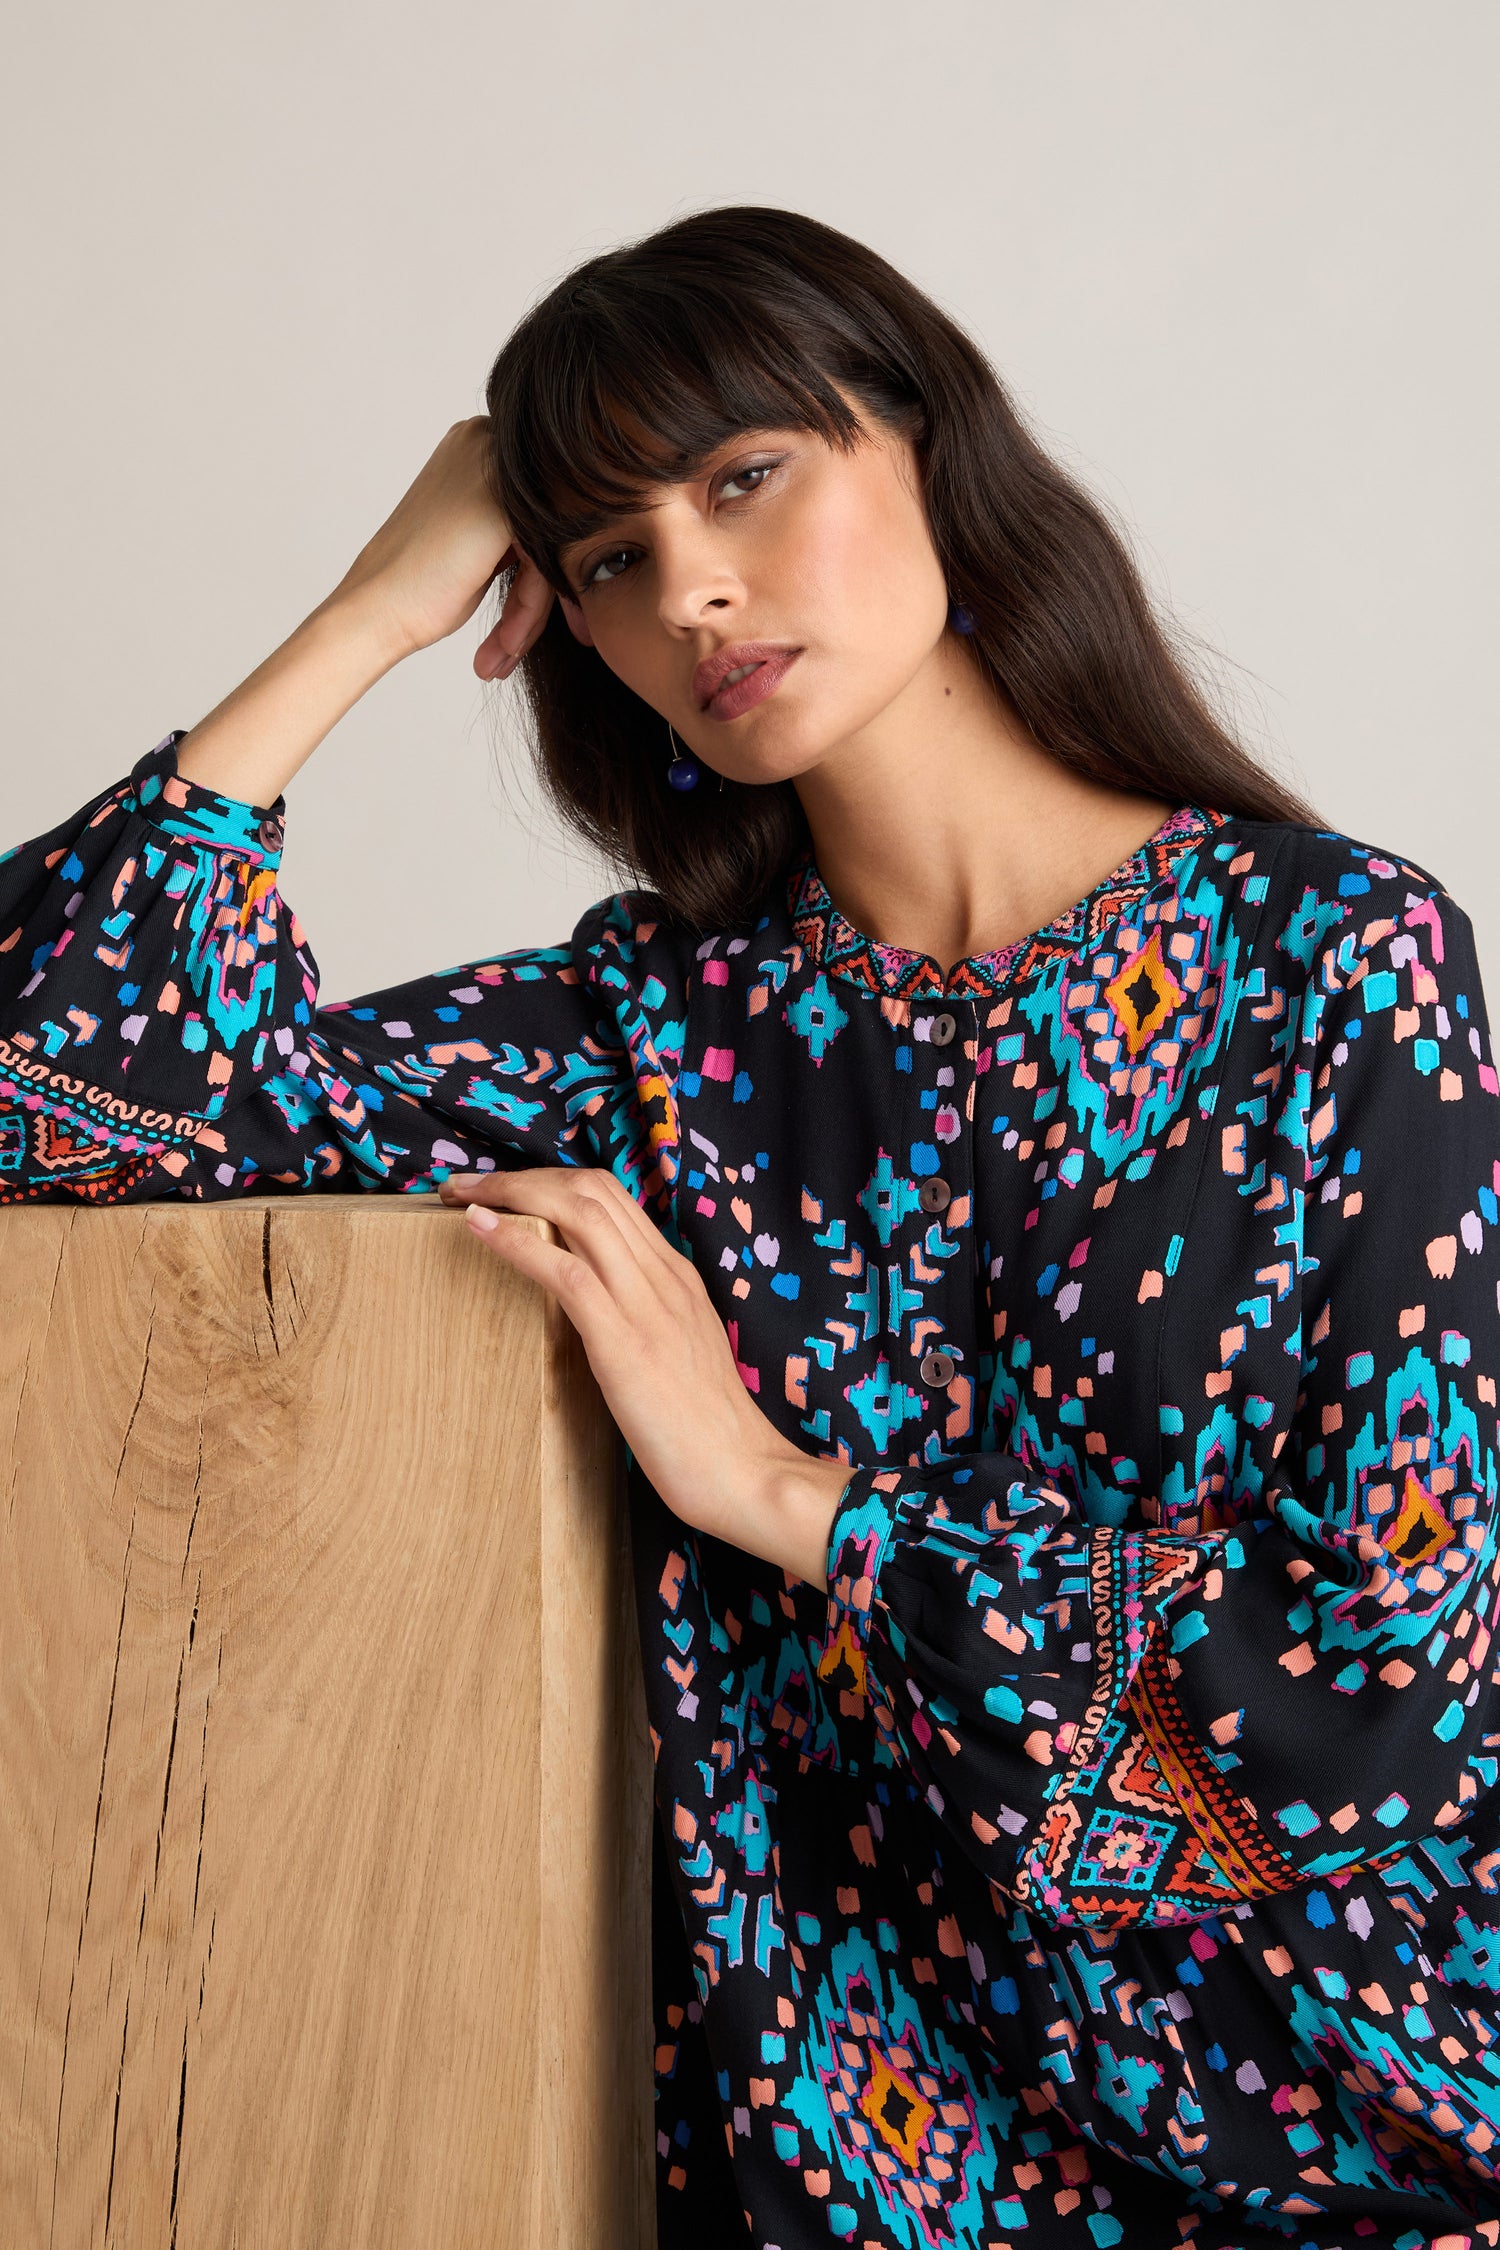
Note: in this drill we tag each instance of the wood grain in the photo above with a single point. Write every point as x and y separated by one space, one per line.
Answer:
325 1851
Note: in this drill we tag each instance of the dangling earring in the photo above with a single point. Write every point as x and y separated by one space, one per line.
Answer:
683 772
962 620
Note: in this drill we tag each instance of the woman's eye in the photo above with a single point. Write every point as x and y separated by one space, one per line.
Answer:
760 469
593 579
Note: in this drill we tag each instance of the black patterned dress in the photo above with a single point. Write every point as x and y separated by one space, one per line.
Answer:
1111 1855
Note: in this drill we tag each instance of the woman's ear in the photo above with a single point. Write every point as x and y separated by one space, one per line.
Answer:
577 623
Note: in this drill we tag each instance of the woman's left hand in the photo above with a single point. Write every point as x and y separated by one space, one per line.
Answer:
662 1360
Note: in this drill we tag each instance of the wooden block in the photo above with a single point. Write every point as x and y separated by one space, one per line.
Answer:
325 1856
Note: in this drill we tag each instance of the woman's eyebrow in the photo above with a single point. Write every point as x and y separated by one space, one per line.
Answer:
684 472
607 519
570 549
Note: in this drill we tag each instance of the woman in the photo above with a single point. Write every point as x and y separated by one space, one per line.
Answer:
1028 1195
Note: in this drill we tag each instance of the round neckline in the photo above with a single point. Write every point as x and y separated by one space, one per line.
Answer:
841 950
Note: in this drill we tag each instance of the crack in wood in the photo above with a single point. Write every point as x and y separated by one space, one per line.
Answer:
202 1806
265 1276
26 1370
62 2082
140 1394
114 2138
197 1485
177 2158
108 1725
62 2076
15 1428
171 1754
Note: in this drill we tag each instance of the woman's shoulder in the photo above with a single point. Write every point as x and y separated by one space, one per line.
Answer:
638 927
1323 872
629 943
1335 909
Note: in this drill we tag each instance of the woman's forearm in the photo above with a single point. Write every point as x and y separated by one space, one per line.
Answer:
250 745
423 574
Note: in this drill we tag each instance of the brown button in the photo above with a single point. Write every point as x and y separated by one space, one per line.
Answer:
938 1368
934 1195
941 1029
271 835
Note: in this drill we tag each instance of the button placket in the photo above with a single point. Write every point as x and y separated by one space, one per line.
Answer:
938 1365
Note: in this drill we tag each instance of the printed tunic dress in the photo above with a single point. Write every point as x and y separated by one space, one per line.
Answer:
1110 1855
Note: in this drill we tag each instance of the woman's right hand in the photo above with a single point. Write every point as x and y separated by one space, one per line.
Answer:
432 561
424 573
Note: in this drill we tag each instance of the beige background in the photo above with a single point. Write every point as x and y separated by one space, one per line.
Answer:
1236 260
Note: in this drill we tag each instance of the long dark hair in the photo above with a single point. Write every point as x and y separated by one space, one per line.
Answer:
643 360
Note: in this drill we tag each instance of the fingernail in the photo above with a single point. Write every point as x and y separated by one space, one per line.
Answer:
482 1220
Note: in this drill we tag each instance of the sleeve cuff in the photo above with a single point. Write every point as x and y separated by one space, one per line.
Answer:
200 816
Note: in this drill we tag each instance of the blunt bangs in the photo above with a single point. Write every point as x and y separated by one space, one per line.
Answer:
624 379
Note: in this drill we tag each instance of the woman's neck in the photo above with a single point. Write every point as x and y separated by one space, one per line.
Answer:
944 828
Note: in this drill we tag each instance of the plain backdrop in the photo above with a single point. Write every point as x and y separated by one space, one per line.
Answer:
1236 260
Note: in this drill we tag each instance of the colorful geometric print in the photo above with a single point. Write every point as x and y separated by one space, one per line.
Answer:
897 2109
1125 1034
830 939
1112 1854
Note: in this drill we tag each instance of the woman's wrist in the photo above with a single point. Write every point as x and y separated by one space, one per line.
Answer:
791 1514
250 745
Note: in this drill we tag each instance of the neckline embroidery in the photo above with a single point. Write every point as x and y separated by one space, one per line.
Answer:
833 944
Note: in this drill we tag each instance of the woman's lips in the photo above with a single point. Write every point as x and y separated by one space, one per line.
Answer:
742 695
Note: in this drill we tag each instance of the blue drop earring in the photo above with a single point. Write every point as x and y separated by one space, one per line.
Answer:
683 772
961 619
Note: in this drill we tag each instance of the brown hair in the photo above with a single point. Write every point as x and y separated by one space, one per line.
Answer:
642 361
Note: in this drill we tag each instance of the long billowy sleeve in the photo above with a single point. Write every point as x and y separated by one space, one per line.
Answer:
1126 1725
160 1030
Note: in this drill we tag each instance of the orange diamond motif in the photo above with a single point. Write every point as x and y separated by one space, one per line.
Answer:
844 1651
1143 994
1420 1530
899 2114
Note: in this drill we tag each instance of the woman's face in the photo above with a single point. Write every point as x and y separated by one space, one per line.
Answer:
784 539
